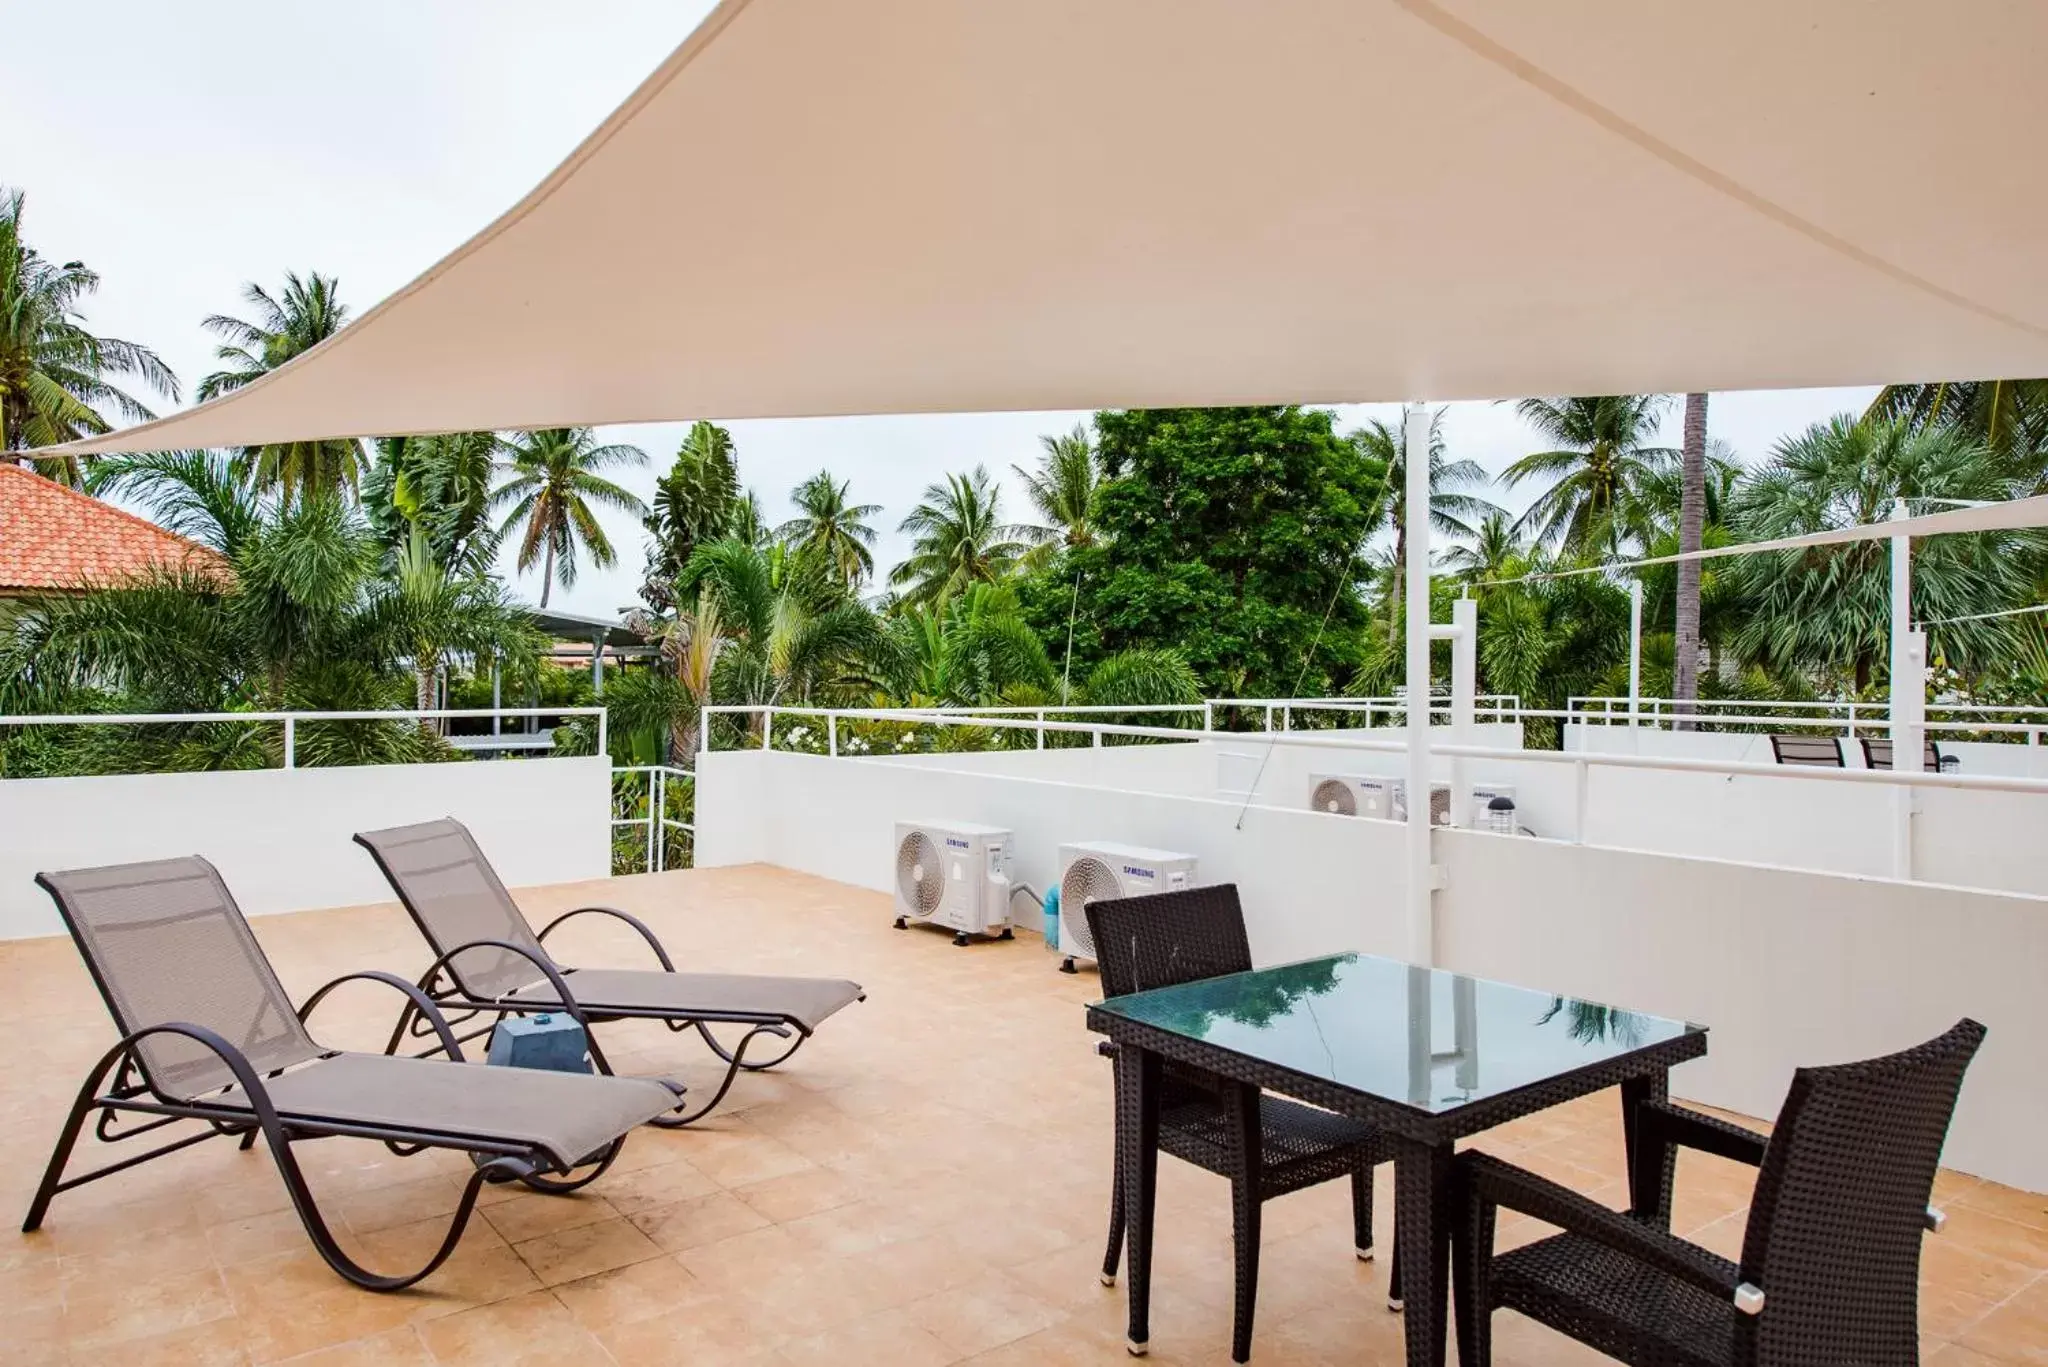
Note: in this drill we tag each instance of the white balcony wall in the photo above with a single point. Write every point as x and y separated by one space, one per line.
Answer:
1309 879
281 837
1786 967
2004 760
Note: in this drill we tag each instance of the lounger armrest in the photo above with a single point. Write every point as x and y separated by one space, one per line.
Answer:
564 999
630 919
238 1064
420 1000
1488 1179
1702 1132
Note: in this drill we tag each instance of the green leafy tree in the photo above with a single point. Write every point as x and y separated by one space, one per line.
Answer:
2009 417
959 539
786 631
285 326
56 377
552 480
1601 450
1229 534
425 613
698 500
1827 609
830 528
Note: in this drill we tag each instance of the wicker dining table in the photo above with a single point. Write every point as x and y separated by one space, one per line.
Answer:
1428 1056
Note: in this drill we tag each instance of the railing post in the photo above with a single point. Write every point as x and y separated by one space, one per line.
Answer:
1208 716
1098 738
291 743
1040 714
767 728
832 733
1269 719
1286 719
704 730
1580 770
604 733
653 812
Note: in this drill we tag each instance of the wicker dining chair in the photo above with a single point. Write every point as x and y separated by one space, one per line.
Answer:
1196 933
1830 1270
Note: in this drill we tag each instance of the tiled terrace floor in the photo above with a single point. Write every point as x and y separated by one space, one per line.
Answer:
926 1184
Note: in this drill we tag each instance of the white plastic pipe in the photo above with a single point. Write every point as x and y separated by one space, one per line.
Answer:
1464 692
1635 650
1420 893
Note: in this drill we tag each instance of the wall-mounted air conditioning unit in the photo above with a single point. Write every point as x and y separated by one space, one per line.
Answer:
1096 871
953 874
1353 795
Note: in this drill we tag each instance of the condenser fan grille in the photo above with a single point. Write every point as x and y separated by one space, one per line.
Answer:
1088 880
1335 795
920 877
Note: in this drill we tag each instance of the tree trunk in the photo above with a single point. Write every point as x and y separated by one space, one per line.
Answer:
547 573
1692 510
424 672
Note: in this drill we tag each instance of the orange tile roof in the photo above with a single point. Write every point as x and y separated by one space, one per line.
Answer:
52 537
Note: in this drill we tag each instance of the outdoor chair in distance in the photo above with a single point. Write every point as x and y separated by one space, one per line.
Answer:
1877 754
490 962
1814 752
1830 1264
208 1035
1267 1146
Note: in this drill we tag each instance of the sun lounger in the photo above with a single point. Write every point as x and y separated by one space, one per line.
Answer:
491 962
208 1035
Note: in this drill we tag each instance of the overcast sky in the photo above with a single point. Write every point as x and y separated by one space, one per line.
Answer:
205 144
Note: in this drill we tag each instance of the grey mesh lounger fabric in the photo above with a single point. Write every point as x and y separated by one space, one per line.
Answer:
209 1035
457 901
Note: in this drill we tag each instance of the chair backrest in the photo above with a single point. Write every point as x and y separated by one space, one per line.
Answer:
165 943
1877 754
1824 752
455 898
1169 937
1836 1222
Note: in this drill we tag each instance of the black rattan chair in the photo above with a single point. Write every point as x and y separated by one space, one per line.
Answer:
1830 1270
1267 1146
1813 752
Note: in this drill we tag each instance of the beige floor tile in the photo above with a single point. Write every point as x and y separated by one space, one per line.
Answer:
889 1339
530 1329
585 1251
983 1314
624 1295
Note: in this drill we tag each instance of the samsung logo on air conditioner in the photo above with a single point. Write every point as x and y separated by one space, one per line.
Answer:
957 844
1138 873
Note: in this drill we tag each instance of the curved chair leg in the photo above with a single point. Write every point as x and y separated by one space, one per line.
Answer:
1361 1213
498 1170
736 1061
752 1066
556 1186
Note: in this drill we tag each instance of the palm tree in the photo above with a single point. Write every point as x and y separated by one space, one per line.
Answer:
832 529
2008 416
1063 490
53 373
307 313
698 500
440 485
1493 554
205 495
786 633
1692 512
1601 451
553 481
960 539
1452 511
424 613
1827 609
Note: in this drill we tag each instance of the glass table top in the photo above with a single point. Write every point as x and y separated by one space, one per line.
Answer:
1425 1037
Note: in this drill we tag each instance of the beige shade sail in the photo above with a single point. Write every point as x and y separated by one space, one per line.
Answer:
820 207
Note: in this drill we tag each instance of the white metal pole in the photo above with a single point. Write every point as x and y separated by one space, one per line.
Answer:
1419 880
1464 707
1907 687
1635 649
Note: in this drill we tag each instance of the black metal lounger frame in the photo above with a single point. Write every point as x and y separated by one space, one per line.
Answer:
132 1093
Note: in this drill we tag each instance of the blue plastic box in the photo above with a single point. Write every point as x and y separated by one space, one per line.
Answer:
549 1041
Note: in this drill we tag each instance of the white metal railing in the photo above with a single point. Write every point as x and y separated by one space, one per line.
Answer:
1486 707
1581 762
290 720
1854 718
657 823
